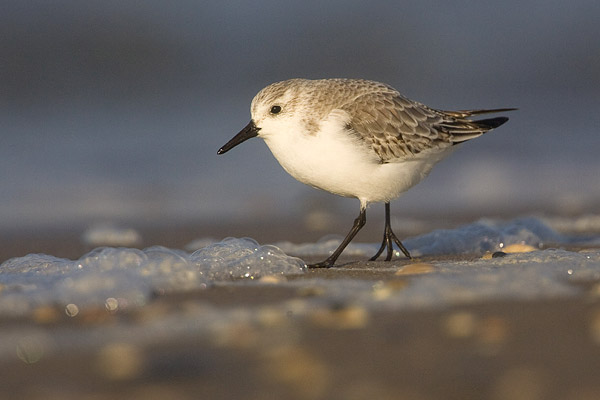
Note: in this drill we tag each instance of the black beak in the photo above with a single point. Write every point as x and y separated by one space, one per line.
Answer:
250 131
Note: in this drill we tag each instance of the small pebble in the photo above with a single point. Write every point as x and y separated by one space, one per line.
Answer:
271 279
236 334
31 349
301 370
519 248
71 310
46 315
511 248
120 361
272 317
384 289
350 317
493 330
460 324
415 269
311 291
111 304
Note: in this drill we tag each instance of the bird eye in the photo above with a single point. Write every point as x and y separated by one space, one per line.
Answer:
275 109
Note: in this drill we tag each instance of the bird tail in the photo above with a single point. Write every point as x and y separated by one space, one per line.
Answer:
463 129
490 123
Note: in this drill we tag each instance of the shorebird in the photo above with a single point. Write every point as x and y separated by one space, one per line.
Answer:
357 138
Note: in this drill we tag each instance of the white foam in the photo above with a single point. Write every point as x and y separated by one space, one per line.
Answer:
126 277
483 236
475 238
131 275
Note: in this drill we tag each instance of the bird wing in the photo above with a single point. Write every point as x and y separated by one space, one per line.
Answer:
397 127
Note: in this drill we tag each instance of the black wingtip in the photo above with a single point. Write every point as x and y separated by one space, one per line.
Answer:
491 123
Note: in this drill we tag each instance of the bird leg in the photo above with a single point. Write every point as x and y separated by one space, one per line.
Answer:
389 238
359 222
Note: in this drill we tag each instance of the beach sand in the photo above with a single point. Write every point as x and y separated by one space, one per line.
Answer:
492 349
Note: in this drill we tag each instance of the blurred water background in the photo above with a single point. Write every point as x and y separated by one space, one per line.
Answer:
114 110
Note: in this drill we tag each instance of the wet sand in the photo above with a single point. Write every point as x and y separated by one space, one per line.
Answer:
539 349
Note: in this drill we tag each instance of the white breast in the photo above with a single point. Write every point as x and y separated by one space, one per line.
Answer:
333 160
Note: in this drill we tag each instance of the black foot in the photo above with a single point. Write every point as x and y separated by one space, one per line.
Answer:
389 238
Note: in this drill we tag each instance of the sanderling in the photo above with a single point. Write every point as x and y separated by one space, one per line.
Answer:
357 138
